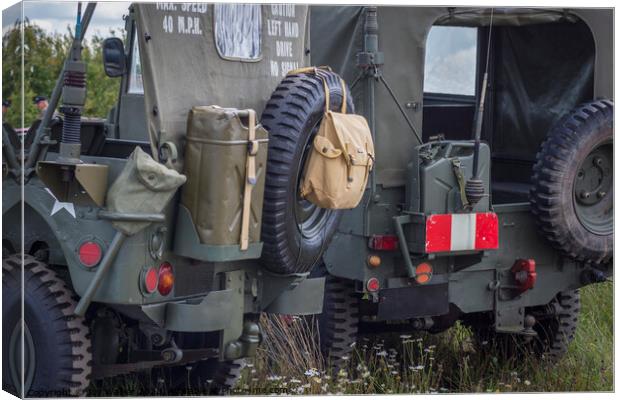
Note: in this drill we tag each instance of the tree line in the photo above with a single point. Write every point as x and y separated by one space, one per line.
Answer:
44 54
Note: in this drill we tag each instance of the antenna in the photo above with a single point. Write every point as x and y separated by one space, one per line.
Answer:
474 188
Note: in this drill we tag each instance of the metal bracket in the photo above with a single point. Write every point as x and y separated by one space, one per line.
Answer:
399 221
82 184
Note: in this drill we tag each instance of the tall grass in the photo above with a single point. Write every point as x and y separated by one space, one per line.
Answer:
289 361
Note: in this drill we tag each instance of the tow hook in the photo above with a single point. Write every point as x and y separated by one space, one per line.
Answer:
172 354
528 325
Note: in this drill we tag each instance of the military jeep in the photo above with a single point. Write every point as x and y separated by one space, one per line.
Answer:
491 208
121 271
490 211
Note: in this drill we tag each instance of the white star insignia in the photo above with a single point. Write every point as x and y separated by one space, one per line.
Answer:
58 205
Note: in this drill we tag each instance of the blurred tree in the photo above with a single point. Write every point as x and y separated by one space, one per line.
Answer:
43 57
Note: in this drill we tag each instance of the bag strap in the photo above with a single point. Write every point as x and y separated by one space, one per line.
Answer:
318 72
250 180
343 106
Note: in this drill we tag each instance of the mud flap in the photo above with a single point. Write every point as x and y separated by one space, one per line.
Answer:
305 298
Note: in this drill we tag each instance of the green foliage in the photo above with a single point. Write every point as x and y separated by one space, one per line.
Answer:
43 56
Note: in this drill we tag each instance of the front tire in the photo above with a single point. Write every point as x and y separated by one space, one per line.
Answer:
57 350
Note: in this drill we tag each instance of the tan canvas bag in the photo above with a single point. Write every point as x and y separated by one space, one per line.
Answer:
341 158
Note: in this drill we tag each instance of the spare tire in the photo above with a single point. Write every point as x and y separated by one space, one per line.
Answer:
572 184
295 232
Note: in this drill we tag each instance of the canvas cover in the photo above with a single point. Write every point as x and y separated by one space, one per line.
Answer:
144 186
216 157
536 85
402 39
184 66
342 156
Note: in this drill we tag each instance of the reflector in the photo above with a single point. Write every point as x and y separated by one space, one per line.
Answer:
150 280
383 242
90 253
461 232
372 285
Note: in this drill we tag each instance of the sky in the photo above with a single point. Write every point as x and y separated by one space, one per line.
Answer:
56 16
450 57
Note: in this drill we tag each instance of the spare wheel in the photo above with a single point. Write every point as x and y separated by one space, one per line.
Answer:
295 232
572 184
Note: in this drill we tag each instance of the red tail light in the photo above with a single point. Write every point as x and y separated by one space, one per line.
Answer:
524 273
90 253
372 285
151 279
383 242
166 279
423 273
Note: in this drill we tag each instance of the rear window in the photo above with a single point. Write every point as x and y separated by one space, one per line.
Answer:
450 64
238 31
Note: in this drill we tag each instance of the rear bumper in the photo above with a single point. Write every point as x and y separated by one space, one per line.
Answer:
211 313
224 309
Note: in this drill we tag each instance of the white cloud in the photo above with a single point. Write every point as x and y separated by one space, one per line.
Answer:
55 17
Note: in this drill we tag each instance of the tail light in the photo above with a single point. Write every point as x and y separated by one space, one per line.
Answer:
166 279
90 253
374 261
372 285
525 274
423 273
151 279
383 242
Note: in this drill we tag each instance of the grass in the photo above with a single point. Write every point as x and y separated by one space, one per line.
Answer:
289 362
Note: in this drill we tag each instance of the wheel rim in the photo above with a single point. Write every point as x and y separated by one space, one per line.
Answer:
593 191
309 218
15 357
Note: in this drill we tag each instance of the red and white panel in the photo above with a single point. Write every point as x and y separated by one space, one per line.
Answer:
461 232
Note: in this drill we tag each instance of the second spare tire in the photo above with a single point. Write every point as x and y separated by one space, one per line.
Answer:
295 232
572 184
